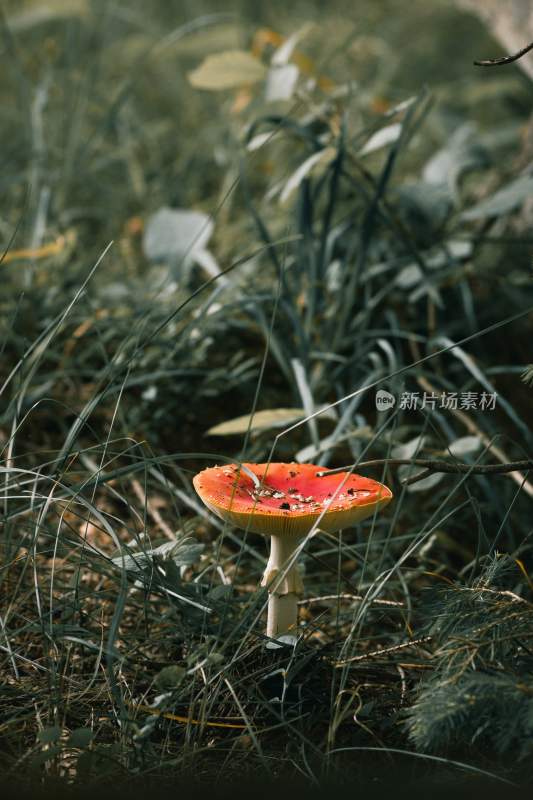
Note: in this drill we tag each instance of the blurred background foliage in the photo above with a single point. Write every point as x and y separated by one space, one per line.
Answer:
367 194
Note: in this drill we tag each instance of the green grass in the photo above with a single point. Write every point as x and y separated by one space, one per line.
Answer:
132 642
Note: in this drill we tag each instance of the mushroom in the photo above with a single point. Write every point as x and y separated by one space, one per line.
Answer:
285 502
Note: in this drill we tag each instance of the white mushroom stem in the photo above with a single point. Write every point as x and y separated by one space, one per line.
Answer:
284 584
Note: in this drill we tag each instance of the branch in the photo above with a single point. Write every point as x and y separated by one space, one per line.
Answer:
434 465
495 62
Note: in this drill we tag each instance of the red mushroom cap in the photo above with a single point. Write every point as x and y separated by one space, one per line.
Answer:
290 497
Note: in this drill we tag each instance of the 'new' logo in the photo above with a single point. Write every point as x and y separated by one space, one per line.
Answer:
384 400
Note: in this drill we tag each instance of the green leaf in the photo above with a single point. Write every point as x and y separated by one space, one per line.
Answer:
215 658
462 153
48 735
381 138
222 592
314 165
424 483
227 70
182 552
45 755
507 199
170 677
81 737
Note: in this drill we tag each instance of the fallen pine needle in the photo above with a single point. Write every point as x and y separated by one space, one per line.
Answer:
189 720
51 249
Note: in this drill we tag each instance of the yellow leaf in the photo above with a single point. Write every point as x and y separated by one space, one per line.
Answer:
36 12
261 420
227 70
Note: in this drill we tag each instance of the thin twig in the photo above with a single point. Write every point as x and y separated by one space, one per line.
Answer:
515 598
496 62
346 596
385 651
435 465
